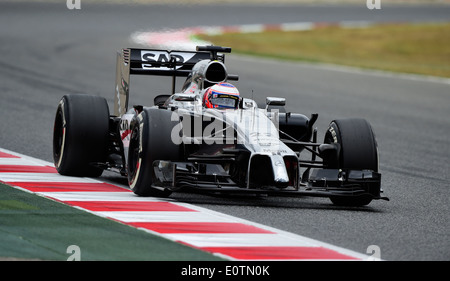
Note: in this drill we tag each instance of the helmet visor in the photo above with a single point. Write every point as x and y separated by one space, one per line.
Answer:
224 100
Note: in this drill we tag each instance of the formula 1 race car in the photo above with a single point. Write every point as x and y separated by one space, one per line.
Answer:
179 144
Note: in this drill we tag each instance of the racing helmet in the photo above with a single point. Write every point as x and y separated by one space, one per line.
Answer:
221 95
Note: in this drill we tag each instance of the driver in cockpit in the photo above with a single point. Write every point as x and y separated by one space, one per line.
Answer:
222 96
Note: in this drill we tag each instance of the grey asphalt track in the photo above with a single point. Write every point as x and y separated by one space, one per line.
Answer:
48 51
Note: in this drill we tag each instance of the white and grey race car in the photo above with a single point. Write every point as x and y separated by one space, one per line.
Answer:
178 144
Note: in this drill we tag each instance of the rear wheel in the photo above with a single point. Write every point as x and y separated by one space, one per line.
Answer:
80 135
357 151
150 141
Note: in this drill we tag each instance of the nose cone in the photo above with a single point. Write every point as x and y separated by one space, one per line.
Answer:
280 174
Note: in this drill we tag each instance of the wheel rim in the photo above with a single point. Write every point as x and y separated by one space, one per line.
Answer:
133 153
58 137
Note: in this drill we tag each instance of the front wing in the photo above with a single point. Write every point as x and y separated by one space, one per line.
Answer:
212 178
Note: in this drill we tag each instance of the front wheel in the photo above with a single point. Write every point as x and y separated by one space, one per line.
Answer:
80 135
357 151
150 141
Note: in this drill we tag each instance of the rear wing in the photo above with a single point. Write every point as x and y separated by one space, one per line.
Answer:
154 62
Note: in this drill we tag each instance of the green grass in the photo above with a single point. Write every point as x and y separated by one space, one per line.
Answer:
408 48
36 228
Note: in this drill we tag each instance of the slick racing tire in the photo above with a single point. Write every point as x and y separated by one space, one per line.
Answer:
150 141
80 135
357 150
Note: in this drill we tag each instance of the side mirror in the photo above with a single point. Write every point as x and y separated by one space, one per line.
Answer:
275 101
